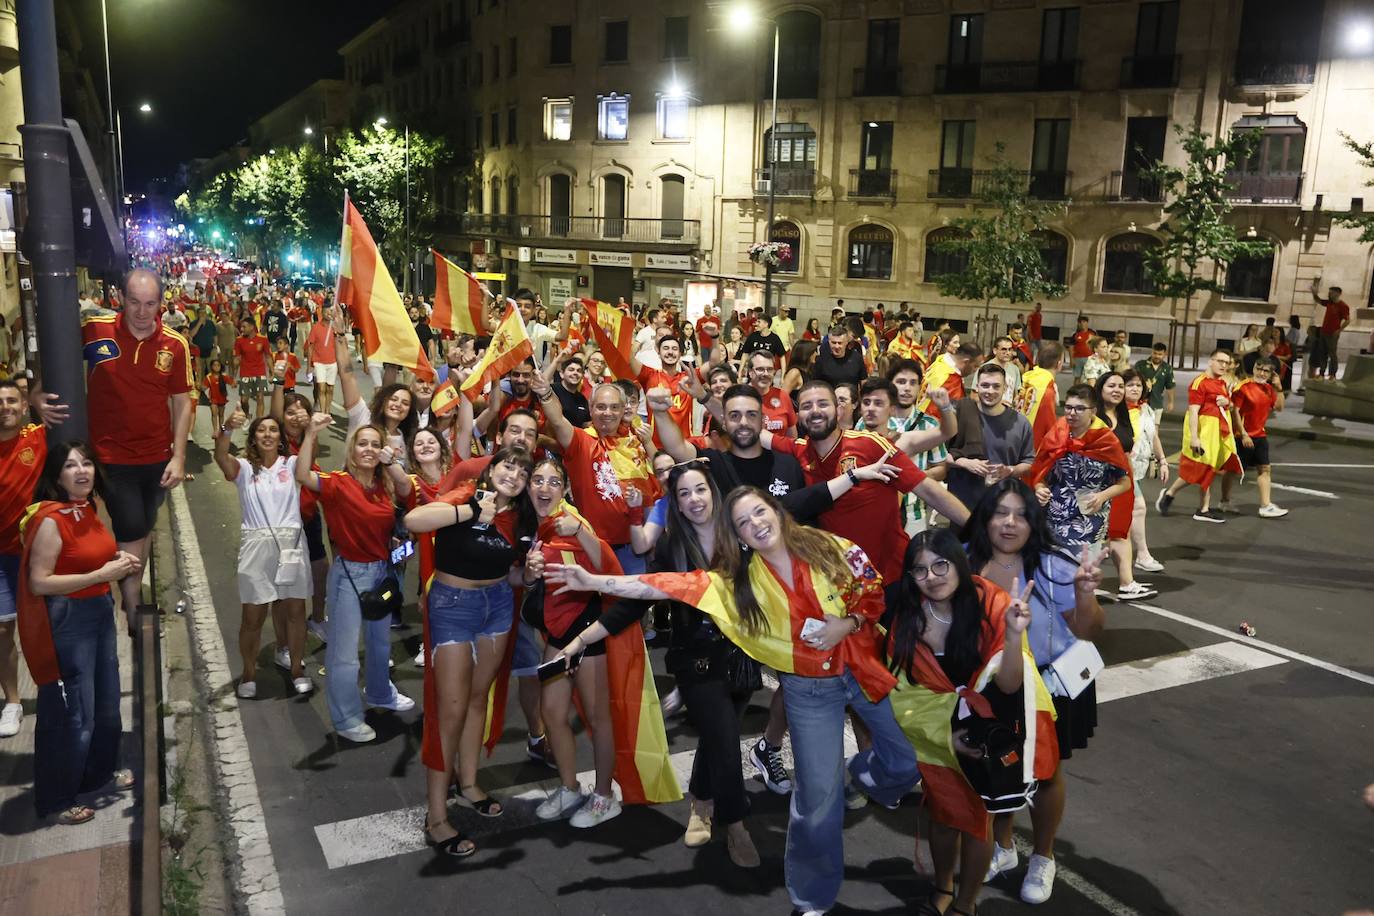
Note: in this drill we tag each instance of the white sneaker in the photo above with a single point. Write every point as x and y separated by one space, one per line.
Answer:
317 628
1003 861
560 803
1148 564
283 658
360 734
303 685
10 718
399 702
420 658
1272 511
597 809
1039 883
247 690
1135 590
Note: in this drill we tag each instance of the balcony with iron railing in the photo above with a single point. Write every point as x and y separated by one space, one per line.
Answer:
1134 187
873 183
1257 70
1156 72
790 182
877 81
639 231
1007 76
1271 188
973 184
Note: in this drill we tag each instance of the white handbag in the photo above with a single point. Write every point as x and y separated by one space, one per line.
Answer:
1075 668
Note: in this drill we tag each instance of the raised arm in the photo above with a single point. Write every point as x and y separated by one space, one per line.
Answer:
227 463
659 400
554 421
1011 671
305 474
462 428
348 384
934 494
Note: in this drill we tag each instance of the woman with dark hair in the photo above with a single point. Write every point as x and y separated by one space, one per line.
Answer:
971 703
801 601
1147 457
293 411
800 362
1116 414
1009 540
813 330
482 533
430 460
392 407
712 674
273 573
1079 469
66 627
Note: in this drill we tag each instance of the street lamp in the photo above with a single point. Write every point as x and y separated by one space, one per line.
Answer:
742 18
145 108
309 130
1360 38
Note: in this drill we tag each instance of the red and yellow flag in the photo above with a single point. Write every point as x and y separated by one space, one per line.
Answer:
445 398
614 333
509 347
940 374
1213 431
1037 400
367 289
459 299
1098 443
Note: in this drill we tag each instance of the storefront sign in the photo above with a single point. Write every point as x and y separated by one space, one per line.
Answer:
560 289
668 261
610 258
510 252
555 256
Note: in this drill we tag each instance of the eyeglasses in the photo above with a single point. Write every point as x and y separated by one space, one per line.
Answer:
1076 408
939 568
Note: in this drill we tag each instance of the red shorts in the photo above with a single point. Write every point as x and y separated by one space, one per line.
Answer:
1119 519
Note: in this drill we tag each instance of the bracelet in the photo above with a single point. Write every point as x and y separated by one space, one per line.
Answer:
853 478
456 519
279 382
547 396
858 622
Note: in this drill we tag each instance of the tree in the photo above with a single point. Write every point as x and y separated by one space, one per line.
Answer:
1198 241
1361 221
1000 244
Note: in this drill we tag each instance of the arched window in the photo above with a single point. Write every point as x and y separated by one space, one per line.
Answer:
1054 253
495 195
672 200
613 206
1124 271
939 261
513 195
799 56
870 253
560 204
788 233
1250 278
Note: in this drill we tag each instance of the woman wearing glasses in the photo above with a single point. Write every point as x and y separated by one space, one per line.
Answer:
1079 470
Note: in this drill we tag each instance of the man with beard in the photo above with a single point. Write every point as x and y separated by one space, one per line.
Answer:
671 375
994 441
521 397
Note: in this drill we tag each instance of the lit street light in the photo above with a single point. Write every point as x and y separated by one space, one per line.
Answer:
145 108
1360 38
309 130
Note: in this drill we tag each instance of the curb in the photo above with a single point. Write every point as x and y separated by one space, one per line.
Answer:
255 878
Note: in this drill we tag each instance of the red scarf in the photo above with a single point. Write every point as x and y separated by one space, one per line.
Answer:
35 629
1099 442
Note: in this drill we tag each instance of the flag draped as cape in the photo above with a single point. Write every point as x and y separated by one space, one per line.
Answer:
1213 430
35 629
1098 442
1037 400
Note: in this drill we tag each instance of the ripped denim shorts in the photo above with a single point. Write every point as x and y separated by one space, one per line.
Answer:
458 615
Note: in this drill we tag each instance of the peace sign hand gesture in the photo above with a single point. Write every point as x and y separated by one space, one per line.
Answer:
1018 616
1088 577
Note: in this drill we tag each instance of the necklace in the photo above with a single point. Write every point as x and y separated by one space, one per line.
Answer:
930 609
1007 566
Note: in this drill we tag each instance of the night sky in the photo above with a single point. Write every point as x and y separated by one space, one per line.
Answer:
211 67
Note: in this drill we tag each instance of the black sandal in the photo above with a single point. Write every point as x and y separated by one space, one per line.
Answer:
453 846
928 907
483 807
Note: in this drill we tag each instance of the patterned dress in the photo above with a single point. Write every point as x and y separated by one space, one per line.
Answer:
1073 475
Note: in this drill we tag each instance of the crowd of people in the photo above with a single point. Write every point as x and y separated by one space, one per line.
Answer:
910 531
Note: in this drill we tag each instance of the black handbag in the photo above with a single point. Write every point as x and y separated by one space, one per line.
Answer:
381 602
742 673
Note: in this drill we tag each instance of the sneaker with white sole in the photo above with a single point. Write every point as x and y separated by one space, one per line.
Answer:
1134 591
283 658
247 690
1163 502
1004 860
1039 883
1211 515
303 685
1148 564
420 658
10 718
560 803
854 799
1272 511
597 809
768 760
317 628
399 702
358 734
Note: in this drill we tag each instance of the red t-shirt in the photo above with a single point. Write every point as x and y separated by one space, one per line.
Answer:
1080 339
293 365
510 404
869 514
319 343
360 521
681 409
1033 321
21 463
706 341
1204 393
87 545
1335 313
128 384
778 415
253 353
216 387
468 469
1254 400
598 469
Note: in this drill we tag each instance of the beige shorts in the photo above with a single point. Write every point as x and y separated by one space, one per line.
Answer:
259 560
325 373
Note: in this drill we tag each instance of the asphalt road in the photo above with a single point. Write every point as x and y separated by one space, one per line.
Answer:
1225 777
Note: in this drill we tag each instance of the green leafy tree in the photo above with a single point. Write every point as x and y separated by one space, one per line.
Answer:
1198 241
1361 221
998 243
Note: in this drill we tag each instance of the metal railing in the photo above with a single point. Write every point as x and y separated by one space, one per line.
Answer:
1265 189
1258 71
873 183
1045 185
1007 76
874 81
1128 186
971 184
579 228
792 182
1155 72
152 784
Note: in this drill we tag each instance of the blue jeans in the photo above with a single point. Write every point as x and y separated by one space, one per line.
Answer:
341 652
631 562
814 862
76 741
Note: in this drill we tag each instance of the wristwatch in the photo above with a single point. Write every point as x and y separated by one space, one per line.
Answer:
853 478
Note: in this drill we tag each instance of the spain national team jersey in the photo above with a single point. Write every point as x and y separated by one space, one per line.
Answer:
128 384
681 408
21 463
869 514
778 414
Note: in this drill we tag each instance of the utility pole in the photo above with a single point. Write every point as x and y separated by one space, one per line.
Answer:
49 241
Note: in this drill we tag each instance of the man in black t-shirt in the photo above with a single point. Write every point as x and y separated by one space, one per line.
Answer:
275 322
763 339
836 362
568 390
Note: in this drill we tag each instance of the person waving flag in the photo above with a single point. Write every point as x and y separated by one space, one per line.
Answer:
459 299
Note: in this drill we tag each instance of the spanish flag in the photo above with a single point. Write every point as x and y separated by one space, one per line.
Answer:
1099 443
375 306
924 703
787 607
509 347
940 374
901 348
459 299
445 399
614 333
1037 401
1213 430
35 629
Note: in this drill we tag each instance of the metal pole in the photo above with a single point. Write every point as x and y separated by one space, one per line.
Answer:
772 177
119 147
49 236
116 179
409 250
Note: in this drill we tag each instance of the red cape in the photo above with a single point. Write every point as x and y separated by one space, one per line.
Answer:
1099 442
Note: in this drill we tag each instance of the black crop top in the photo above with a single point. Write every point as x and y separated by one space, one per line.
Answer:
476 551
